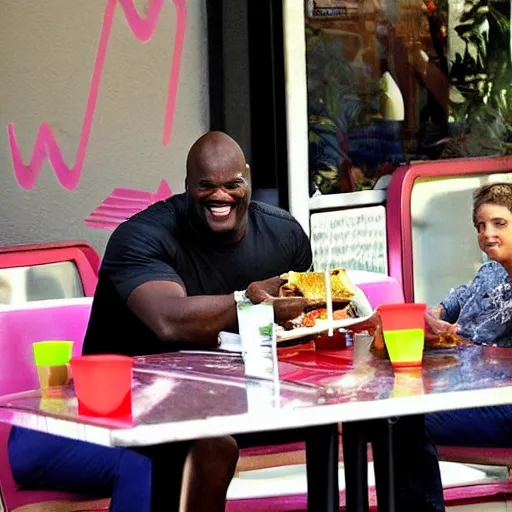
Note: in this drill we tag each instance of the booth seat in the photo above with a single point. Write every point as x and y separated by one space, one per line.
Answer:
64 319
415 228
67 319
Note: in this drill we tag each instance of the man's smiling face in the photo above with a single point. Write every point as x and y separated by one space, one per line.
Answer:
218 187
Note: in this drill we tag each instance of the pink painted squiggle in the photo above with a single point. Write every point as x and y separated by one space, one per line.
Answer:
122 203
46 144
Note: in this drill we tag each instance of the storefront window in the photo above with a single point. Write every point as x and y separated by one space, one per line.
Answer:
400 80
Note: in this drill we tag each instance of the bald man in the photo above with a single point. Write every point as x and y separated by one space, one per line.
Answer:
171 278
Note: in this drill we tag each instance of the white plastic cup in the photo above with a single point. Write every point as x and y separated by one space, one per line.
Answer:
256 328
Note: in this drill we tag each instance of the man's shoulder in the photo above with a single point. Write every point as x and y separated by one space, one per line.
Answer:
157 222
274 214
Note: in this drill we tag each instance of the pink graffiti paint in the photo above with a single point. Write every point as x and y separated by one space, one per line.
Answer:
122 203
46 144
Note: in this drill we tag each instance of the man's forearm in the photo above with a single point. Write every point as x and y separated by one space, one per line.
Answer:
198 319
173 317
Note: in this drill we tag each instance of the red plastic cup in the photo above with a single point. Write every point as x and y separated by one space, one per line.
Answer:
103 384
396 317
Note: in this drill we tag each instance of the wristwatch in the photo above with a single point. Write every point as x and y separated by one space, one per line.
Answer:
241 297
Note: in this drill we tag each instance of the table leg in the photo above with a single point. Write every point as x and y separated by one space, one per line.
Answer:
390 422
355 460
322 468
384 463
406 466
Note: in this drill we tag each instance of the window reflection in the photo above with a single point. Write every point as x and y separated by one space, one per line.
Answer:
390 82
40 282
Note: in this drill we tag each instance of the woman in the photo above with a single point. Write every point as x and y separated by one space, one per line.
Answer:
482 312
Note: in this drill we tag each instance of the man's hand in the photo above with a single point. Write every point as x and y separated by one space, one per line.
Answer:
287 308
261 291
267 291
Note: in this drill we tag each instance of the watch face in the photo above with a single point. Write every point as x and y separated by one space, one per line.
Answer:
240 296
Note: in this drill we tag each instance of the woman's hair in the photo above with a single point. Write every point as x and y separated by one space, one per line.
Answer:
499 194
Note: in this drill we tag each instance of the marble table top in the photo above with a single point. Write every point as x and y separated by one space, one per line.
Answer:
183 396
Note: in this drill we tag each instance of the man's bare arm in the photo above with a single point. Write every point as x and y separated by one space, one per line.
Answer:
165 309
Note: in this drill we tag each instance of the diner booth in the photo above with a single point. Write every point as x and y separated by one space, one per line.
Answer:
429 247
374 122
375 147
394 116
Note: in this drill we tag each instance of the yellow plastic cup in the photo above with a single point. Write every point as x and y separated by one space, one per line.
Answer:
53 400
51 359
408 382
405 347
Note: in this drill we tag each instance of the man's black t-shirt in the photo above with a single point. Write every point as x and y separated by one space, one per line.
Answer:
158 244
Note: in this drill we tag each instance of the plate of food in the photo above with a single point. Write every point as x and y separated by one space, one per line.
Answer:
350 305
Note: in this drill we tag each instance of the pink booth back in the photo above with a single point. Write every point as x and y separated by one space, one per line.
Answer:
398 208
37 321
64 319
83 256
401 264
378 288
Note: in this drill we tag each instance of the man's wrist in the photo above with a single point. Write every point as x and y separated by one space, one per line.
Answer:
241 297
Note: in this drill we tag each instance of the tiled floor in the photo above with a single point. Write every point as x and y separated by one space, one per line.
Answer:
482 507
291 480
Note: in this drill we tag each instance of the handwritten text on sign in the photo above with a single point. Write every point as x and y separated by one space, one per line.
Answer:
354 239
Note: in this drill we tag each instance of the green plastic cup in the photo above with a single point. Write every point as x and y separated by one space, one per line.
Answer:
405 347
52 353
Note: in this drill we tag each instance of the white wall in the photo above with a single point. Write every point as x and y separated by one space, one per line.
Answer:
47 54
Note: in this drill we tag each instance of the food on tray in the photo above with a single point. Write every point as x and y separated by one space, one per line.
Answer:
448 339
311 286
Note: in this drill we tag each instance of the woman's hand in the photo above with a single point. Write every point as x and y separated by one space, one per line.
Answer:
437 312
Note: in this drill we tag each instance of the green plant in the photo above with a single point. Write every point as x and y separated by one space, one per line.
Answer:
338 88
483 77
